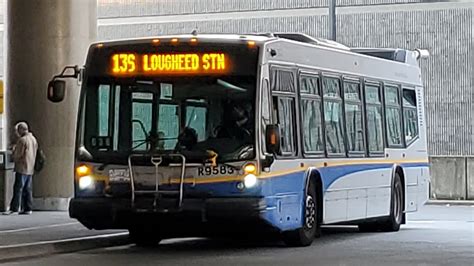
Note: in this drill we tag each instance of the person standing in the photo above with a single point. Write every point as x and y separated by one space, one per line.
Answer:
24 156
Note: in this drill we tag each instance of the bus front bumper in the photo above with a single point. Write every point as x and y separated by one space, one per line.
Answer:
117 213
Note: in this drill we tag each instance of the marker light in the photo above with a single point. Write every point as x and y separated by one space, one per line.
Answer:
156 41
251 43
193 40
174 40
250 168
83 170
85 182
100 45
250 180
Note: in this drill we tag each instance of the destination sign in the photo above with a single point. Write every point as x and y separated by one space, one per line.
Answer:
169 63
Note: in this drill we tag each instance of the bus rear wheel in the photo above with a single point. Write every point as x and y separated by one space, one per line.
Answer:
144 237
304 236
394 220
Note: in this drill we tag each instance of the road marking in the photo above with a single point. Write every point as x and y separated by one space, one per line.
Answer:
63 240
36 228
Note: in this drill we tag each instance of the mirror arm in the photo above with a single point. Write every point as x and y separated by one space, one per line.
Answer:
63 74
268 160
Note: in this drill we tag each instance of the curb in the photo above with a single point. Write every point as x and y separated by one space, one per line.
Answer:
22 251
450 202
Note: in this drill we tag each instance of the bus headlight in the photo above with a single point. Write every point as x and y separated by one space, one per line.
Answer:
85 182
250 181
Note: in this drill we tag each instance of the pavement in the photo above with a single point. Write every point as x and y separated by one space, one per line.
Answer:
50 232
437 235
47 233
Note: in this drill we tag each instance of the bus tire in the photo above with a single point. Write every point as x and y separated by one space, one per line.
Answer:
143 237
394 220
311 229
392 224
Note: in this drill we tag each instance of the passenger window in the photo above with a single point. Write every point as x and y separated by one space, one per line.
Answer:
283 87
286 122
374 119
283 81
393 116
354 124
333 120
311 115
104 107
410 115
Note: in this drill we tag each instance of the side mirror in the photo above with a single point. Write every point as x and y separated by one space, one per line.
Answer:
272 137
56 90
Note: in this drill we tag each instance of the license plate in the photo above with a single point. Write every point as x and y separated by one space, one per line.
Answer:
220 170
119 175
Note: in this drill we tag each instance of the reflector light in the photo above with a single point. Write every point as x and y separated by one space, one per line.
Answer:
83 170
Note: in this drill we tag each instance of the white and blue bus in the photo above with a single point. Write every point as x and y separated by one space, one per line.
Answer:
192 135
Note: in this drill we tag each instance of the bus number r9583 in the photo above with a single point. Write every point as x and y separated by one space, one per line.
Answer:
216 170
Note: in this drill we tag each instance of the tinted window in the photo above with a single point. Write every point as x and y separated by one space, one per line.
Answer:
309 85
393 116
333 118
284 96
374 119
285 120
311 114
283 81
410 115
312 125
354 122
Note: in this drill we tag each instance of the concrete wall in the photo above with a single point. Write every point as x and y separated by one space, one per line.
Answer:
448 178
452 178
470 178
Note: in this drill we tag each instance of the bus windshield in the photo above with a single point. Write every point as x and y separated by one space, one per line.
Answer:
187 115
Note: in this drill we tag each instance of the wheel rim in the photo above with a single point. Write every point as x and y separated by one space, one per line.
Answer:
398 204
310 212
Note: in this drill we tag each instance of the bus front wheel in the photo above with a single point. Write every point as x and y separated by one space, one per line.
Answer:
304 236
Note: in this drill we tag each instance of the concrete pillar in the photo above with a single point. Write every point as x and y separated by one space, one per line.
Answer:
42 37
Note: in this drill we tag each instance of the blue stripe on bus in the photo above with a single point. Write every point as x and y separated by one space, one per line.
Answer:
293 182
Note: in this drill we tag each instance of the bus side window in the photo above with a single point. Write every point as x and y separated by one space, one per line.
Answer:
374 118
393 116
354 117
284 97
410 115
333 117
310 102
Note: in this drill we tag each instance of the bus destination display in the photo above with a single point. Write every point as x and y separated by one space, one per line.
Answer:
168 63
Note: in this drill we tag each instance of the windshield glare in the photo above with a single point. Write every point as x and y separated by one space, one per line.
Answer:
192 116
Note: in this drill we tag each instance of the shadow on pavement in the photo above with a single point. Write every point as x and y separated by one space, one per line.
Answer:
182 247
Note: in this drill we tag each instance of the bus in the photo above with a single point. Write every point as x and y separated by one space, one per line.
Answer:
203 134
